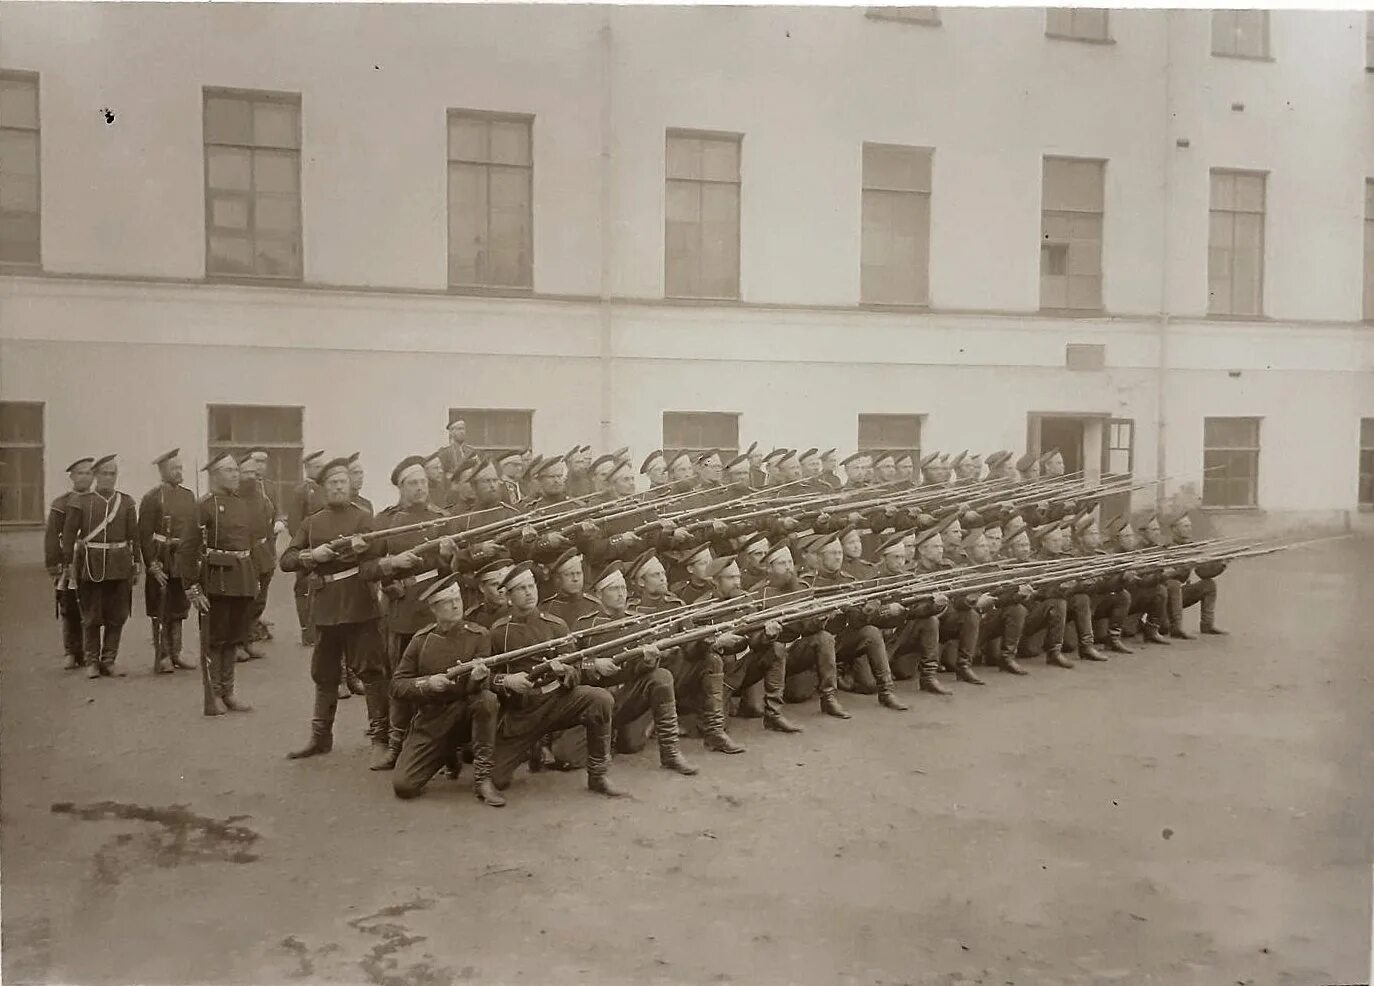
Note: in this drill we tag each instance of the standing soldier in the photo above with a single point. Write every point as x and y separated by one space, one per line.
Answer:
263 530
100 542
709 469
511 465
905 465
217 559
68 608
810 462
440 494
457 450
578 460
328 546
356 475
1052 464
884 468
738 472
680 471
757 477
165 518
305 500
830 466
600 472
858 470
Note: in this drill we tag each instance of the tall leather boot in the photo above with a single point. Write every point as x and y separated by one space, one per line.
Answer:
72 646
172 631
1054 657
599 760
1149 631
209 678
930 663
713 715
355 684
90 647
826 674
321 726
226 681
887 695
109 650
379 725
160 635
482 786
774 679
1114 643
1176 613
665 730
1087 647
1007 657
963 668
751 702
1209 612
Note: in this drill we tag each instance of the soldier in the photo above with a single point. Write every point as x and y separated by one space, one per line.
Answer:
810 462
355 482
969 469
1109 605
328 546
1183 591
737 472
757 477
935 470
405 576
81 475
565 598
1149 597
216 558
620 479
958 623
905 466
263 530
1001 467
527 714
457 449
680 470
1052 464
440 493
648 585
858 470
856 566
551 482
641 683
578 460
768 465
696 563
1050 614
600 472
884 468
1028 467
655 467
750 555
305 500
165 516
446 711
830 464
491 605
709 469
511 464
100 543
788 467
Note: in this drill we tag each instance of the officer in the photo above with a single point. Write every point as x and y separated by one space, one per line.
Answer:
100 543
216 558
166 514
447 711
339 562
306 498
80 474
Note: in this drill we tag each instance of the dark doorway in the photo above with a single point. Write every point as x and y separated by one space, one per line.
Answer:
1065 434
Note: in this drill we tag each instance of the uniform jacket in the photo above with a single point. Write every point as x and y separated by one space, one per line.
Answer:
52 531
113 552
434 651
340 590
165 517
484 614
668 602
305 500
570 609
512 633
217 551
404 612
262 519
689 591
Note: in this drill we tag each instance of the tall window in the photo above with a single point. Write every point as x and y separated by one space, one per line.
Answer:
1240 33
1369 41
1367 462
1235 254
1118 447
252 184
21 462
490 200
895 253
1071 234
701 249
1369 248
493 431
890 432
929 16
1230 460
1077 23
700 431
235 428
19 217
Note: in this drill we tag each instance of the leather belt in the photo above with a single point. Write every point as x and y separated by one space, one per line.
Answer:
165 539
106 544
411 580
347 573
225 551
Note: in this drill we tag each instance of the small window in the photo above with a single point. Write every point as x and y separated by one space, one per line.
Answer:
1077 23
252 184
1367 462
1118 448
894 256
1235 255
701 227
1369 41
1240 33
19 179
929 16
1085 356
1071 207
700 431
235 428
21 462
891 432
494 431
1230 462
490 200
1369 249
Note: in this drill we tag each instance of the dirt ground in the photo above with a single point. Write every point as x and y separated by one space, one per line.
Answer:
1198 814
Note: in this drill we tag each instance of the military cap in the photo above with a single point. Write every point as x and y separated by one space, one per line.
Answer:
649 460
481 465
934 530
995 459
958 458
621 453
494 570
610 574
753 541
215 461
405 466
535 463
1119 523
447 587
566 456
1015 525
1038 534
600 461
830 452
1047 456
307 459
245 459
620 464
897 542
778 549
883 454
354 458
434 456
687 555
332 466
1084 522
79 463
506 456
768 459
537 471
705 457
903 457
1175 519
928 458
740 459
807 543
517 574
569 555
753 447
672 459
819 541
167 455
860 454
810 453
721 565
787 454
640 560
467 469
1026 461
258 452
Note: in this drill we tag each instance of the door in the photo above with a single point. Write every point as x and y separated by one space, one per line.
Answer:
1064 432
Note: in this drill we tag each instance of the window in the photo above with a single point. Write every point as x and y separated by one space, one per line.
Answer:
493 431
1230 462
19 215
235 428
1071 234
894 266
21 463
701 431
1367 462
1085 356
1235 254
490 200
1240 33
252 184
1369 248
1077 23
701 249
891 432
1369 41
1118 447
929 16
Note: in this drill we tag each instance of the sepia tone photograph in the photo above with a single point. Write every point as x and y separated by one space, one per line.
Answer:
685 495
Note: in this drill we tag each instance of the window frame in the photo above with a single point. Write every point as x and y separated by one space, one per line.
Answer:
928 195
479 288
41 504
881 418
252 96
1105 39
892 15
1263 242
671 133
1367 301
471 414
1254 459
1369 41
1267 55
1109 445
278 488
1101 215
14 75
1365 476
726 451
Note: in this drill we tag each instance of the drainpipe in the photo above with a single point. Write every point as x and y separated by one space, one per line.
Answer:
1166 260
605 361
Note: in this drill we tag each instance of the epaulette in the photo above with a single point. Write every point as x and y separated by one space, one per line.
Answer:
435 510
471 609
550 617
673 598
590 598
500 621
474 627
426 628
589 616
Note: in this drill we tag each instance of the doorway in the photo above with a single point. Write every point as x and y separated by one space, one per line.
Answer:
1101 446
1064 433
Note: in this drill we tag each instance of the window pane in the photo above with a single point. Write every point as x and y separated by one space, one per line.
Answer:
228 121
1367 433
1223 190
467 229
230 254
510 142
18 153
277 213
684 157
1085 292
1072 185
1231 433
720 160
894 167
684 202
229 168
229 212
1249 193
1090 22
19 238
277 257
509 227
275 171
18 194
21 478
19 103
467 138
1054 291
275 124
1251 31
21 422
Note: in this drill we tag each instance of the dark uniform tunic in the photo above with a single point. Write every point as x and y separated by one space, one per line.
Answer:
306 499
689 591
570 609
216 552
68 607
485 614
100 539
262 520
165 517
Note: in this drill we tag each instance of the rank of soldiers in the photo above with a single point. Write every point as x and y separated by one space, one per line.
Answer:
516 608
